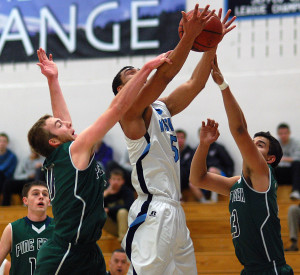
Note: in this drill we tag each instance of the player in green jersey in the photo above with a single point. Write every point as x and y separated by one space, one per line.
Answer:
24 237
75 180
255 226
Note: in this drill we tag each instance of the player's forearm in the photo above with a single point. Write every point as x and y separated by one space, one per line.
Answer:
202 71
198 166
178 57
59 106
236 119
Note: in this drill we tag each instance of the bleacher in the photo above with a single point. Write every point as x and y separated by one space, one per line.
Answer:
210 231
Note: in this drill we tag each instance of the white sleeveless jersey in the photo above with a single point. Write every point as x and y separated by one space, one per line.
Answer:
155 157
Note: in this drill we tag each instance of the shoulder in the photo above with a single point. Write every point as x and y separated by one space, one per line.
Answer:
11 154
18 222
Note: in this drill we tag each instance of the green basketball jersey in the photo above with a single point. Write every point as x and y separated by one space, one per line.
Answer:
27 238
76 197
255 226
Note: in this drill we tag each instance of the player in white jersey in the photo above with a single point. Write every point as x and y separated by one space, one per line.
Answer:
158 241
162 152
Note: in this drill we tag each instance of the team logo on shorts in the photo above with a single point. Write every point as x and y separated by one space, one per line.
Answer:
153 214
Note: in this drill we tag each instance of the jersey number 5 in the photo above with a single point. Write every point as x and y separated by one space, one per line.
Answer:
174 148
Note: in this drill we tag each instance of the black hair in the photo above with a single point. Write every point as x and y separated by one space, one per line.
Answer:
28 185
117 79
117 172
274 147
121 250
283 126
4 135
181 131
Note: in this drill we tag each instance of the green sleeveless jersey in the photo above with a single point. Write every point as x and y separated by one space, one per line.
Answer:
27 238
76 198
255 226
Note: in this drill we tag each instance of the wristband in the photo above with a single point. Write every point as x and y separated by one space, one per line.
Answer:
224 85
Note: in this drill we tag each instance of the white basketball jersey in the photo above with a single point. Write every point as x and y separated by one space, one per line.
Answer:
155 157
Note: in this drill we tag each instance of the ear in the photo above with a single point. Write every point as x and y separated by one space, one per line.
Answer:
25 201
270 159
120 87
54 142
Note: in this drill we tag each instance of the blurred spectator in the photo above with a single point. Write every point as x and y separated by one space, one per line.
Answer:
288 170
118 264
294 223
124 165
186 156
117 201
219 162
103 154
27 170
8 160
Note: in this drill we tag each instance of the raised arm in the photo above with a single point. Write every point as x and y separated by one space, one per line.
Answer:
49 69
5 243
158 82
181 97
198 175
83 146
255 167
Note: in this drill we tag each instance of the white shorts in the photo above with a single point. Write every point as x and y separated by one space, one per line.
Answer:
158 240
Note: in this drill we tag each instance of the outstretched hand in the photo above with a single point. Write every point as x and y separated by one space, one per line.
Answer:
209 132
225 23
48 67
196 24
215 72
159 60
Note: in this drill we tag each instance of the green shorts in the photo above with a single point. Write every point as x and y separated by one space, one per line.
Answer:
73 259
281 270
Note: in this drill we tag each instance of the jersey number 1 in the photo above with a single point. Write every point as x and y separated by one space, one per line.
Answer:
32 262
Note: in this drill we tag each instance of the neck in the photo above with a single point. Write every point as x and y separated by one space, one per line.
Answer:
37 216
2 152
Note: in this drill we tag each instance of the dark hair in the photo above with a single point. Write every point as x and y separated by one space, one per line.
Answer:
4 135
181 131
283 126
274 147
28 185
117 79
117 172
38 137
121 250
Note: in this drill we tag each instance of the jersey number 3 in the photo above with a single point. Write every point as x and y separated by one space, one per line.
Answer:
235 227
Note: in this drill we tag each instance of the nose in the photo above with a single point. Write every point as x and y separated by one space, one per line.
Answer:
68 123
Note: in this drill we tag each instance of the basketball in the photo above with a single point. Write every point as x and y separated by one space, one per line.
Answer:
209 37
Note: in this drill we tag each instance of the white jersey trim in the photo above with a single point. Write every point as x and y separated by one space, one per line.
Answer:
256 190
63 259
83 208
73 162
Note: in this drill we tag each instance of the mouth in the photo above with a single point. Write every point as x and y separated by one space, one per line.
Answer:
73 134
41 204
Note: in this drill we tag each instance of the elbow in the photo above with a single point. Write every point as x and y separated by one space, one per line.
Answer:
197 181
239 130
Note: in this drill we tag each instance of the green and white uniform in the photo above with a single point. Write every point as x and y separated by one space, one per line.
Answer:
255 228
77 205
27 239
